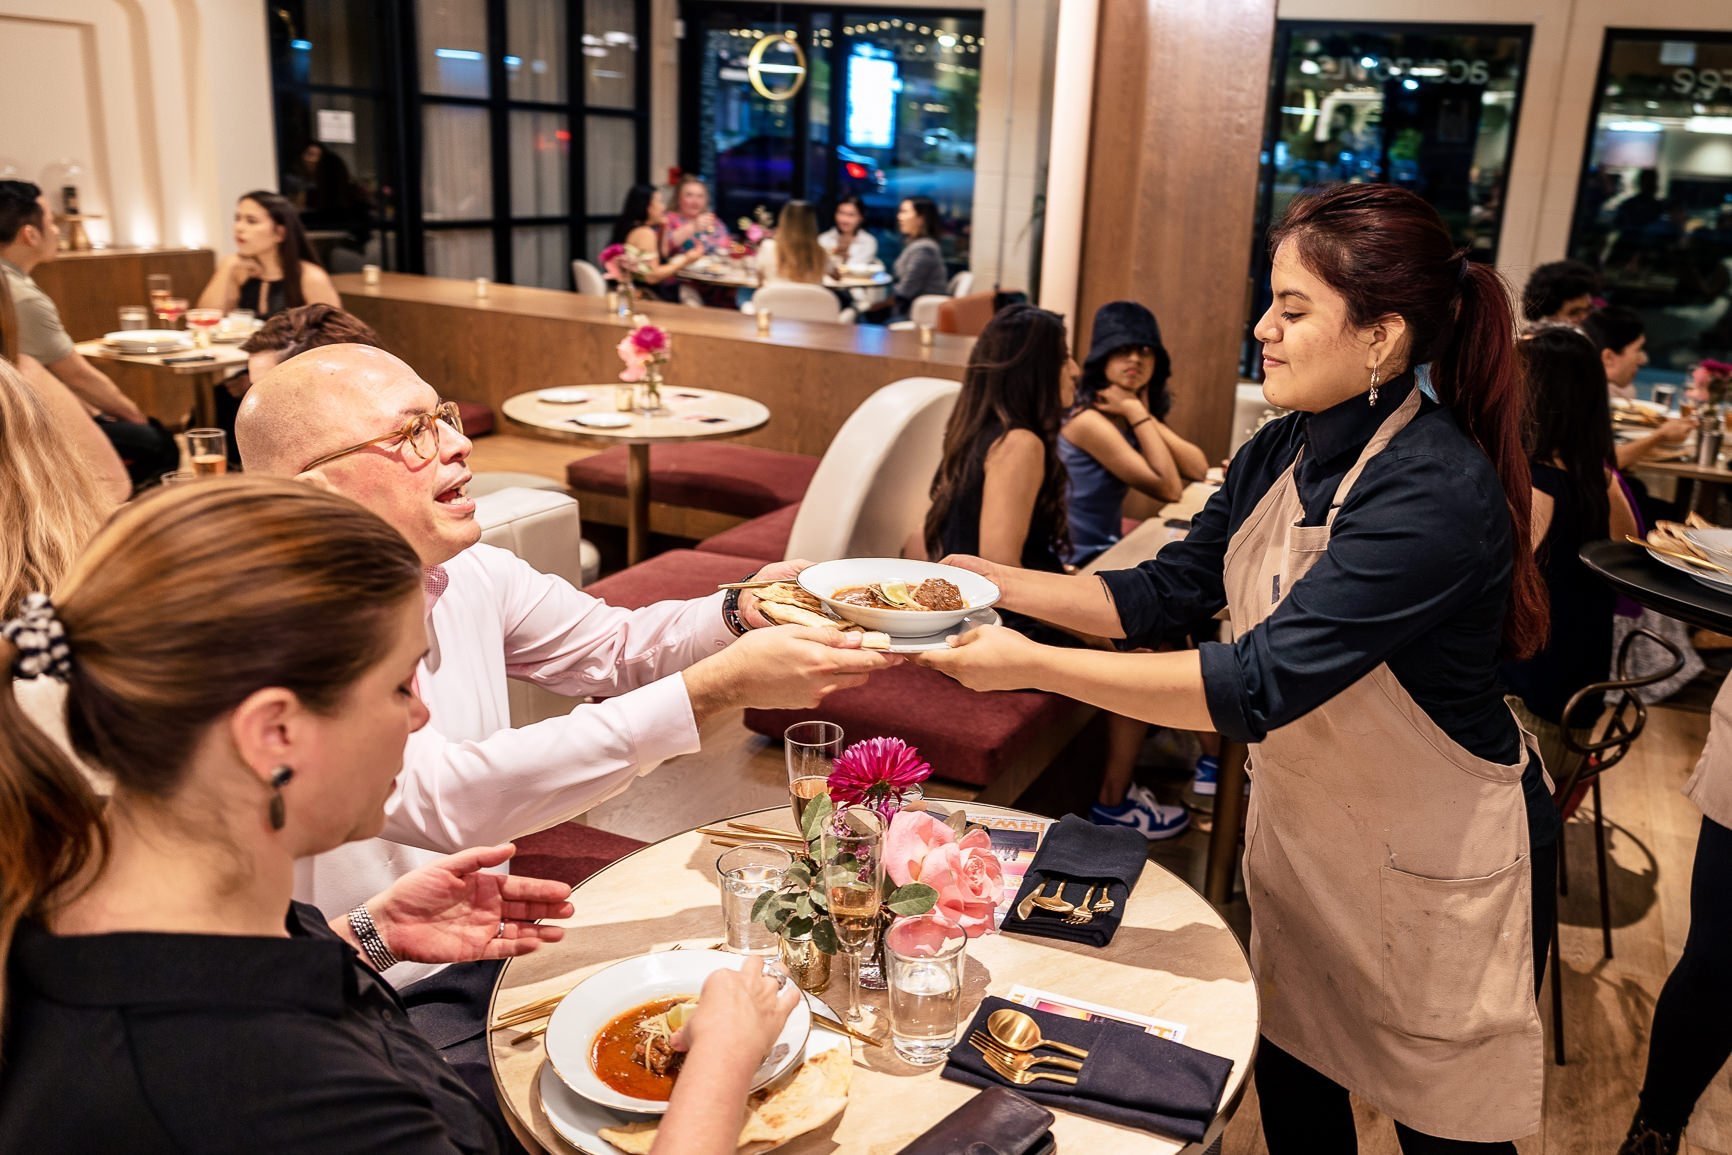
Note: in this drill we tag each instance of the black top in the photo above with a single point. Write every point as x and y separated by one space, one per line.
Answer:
276 297
1417 575
209 1043
961 530
1579 650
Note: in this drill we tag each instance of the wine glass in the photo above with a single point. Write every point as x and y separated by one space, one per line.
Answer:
854 887
161 288
169 310
812 749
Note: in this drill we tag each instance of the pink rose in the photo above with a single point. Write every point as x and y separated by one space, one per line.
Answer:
634 360
649 339
966 874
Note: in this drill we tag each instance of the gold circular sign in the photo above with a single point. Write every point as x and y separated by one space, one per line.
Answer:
756 68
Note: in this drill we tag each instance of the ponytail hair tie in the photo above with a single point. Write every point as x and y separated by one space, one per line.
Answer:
40 640
1465 271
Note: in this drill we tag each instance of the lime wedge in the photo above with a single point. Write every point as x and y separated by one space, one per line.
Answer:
679 1014
897 593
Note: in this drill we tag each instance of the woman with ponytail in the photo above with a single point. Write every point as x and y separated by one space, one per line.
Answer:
1373 552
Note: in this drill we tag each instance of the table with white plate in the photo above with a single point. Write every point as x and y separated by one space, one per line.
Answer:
1701 598
204 369
737 275
588 414
1173 958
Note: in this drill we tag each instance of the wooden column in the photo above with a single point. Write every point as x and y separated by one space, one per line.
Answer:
1180 90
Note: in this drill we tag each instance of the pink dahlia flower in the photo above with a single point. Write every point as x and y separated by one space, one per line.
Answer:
877 772
649 339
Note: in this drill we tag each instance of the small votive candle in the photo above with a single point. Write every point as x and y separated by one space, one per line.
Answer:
481 286
763 322
369 274
624 398
926 335
613 301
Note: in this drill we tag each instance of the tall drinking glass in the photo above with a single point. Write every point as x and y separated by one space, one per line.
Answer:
207 451
854 886
925 961
744 873
160 286
812 748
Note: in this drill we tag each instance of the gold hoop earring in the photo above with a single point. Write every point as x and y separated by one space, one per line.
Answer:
279 778
1374 380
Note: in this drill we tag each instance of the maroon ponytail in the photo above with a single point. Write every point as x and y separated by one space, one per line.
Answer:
1387 252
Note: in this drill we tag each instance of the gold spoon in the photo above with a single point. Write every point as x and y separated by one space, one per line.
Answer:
1687 558
1019 1032
1053 902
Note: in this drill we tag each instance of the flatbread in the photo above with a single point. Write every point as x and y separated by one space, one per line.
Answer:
787 593
816 1094
789 615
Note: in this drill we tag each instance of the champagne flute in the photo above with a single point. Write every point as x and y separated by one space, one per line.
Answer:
812 749
854 887
160 287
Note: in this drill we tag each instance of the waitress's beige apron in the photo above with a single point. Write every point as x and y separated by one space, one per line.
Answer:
1710 787
1387 871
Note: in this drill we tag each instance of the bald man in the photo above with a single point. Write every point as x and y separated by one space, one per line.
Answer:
361 422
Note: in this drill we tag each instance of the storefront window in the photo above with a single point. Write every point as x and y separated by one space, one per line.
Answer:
1431 108
1654 212
881 104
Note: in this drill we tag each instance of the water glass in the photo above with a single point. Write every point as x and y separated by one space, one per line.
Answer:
925 960
744 873
369 274
812 749
207 452
1665 396
134 317
178 477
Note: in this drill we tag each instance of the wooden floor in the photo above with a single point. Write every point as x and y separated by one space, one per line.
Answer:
1608 1003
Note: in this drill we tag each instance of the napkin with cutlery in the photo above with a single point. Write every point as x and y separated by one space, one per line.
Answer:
1077 854
1130 1077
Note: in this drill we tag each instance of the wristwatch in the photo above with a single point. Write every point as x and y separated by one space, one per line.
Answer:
371 944
731 616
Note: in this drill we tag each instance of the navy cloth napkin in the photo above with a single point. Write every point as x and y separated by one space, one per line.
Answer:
1078 852
1130 1077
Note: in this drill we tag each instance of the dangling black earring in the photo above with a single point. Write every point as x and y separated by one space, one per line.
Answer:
279 778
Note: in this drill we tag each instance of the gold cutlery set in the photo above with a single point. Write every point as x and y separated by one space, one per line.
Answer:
741 833
1667 539
1008 1045
1074 913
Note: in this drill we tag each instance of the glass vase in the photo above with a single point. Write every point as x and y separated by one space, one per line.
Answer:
650 391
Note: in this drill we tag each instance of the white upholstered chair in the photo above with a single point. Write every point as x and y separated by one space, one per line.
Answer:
870 490
793 301
588 278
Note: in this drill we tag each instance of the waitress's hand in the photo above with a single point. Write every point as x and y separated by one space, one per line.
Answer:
1003 576
1117 401
987 658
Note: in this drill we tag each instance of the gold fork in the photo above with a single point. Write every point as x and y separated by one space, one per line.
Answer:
1105 904
1082 914
1024 1078
1018 1060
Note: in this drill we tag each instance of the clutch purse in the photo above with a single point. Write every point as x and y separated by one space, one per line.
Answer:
997 1121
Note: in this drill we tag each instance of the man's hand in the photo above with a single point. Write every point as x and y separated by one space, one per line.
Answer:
987 658
776 571
781 668
451 910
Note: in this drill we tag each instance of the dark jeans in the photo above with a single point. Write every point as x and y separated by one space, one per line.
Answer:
148 451
1692 1035
1306 1113
450 1009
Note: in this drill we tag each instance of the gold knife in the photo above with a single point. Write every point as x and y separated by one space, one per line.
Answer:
1026 906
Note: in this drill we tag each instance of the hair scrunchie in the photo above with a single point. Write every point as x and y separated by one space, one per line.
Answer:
40 640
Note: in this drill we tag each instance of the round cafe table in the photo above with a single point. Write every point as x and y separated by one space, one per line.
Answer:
687 415
1172 958
735 275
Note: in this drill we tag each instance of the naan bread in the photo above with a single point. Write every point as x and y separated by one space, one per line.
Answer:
815 1095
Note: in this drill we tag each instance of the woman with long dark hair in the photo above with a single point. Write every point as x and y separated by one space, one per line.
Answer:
999 494
641 224
919 269
848 242
273 266
1576 499
1373 552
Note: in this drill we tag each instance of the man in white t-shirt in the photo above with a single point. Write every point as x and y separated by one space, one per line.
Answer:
361 422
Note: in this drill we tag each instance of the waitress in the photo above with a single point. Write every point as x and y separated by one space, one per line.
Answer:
1372 551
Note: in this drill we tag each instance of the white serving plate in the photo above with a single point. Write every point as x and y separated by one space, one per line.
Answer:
580 1122
1706 577
147 340
614 990
1716 543
827 577
563 395
602 420
941 639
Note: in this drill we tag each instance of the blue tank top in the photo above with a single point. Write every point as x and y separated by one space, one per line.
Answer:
1096 502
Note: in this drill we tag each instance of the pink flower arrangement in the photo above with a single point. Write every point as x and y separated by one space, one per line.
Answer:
876 773
1710 381
967 876
610 262
644 346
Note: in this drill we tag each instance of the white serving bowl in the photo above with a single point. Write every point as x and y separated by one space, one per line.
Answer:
612 991
825 578
1716 543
